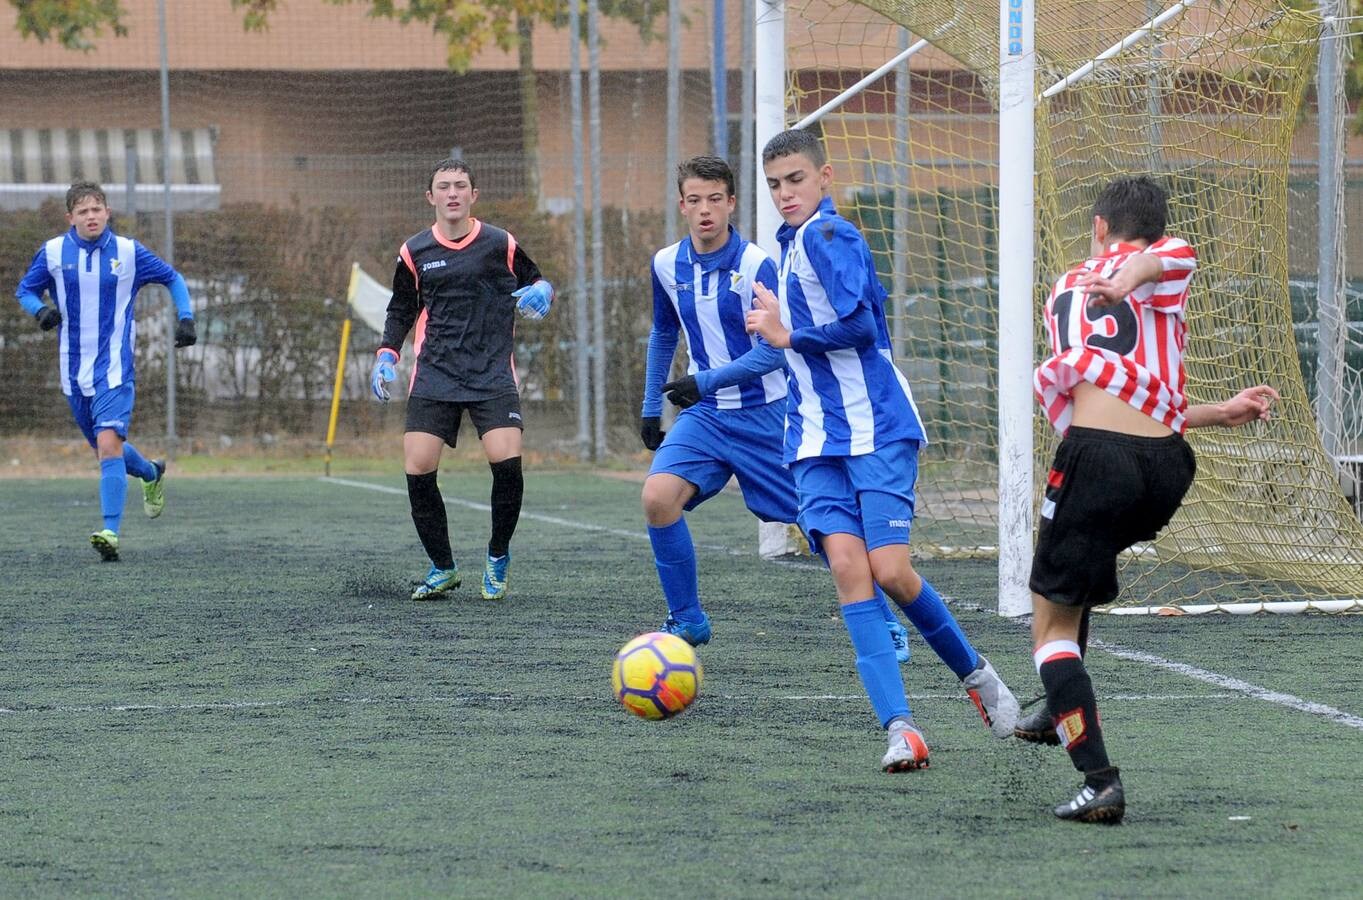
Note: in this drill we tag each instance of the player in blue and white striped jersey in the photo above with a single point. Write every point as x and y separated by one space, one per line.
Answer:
853 435
703 287
93 275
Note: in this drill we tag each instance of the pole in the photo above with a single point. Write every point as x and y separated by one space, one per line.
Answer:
899 274
673 118
598 283
719 83
580 325
747 196
168 251
769 36
1330 148
340 365
1017 120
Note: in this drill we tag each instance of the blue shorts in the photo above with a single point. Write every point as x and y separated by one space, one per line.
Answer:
707 446
870 496
111 409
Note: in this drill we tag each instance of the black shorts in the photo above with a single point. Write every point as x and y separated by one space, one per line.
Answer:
1105 492
441 417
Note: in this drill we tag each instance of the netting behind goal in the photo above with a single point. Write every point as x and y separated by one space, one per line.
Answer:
1208 104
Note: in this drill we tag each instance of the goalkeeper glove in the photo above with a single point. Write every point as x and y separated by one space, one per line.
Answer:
48 318
651 432
384 371
534 299
185 333
684 392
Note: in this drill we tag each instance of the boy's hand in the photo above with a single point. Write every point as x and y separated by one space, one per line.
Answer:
533 300
684 393
385 370
765 317
48 318
651 432
1249 405
185 335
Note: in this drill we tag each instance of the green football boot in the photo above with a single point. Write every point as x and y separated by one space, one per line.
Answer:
106 544
154 492
438 583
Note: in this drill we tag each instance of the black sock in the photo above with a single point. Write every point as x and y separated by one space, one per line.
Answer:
507 488
1069 697
428 514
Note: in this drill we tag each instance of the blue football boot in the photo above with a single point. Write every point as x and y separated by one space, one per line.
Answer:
438 582
694 633
899 636
494 576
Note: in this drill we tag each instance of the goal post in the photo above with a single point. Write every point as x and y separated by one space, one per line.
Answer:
973 190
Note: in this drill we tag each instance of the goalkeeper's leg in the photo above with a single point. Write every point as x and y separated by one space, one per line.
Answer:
422 460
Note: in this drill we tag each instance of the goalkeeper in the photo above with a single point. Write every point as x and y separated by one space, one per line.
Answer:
1115 389
94 275
703 286
461 283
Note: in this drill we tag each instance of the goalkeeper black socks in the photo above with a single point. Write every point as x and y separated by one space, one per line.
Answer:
507 488
1073 708
428 514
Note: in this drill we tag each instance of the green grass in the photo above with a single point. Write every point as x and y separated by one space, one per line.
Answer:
248 704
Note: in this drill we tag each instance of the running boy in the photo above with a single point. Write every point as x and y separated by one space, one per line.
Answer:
852 439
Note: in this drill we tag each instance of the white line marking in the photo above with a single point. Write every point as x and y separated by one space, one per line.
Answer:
555 520
232 705
1233 684
1224 681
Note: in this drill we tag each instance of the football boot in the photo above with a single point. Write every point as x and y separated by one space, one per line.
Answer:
907 750
438 582
997 705
105 543
494 576
694 633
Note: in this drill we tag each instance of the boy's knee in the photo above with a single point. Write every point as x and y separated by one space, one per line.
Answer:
664 499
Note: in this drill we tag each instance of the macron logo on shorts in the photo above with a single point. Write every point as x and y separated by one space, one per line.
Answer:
109 423
900 523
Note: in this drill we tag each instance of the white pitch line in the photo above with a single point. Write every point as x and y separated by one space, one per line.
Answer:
233 705
1224 681
570 523
1233 684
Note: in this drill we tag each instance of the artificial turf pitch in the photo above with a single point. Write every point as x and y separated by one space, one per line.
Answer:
248 704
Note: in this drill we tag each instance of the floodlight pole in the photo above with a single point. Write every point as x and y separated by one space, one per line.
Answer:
172 439
1329 305
598 240
769 37
1017 220
581 325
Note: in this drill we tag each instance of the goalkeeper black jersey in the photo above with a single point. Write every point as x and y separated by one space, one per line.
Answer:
458 295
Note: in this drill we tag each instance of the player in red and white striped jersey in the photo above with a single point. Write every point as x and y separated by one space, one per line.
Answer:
1115 389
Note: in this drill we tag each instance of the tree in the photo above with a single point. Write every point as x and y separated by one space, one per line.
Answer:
468 27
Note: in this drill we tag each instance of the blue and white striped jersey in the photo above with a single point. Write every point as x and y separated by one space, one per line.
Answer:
848 401
94 284
708 298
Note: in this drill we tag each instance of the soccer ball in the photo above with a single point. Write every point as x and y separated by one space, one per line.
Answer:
656 675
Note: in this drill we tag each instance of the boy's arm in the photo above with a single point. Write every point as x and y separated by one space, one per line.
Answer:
1158 275
402 308
533 291
36 281
857 329
662 346
1249 405
758 361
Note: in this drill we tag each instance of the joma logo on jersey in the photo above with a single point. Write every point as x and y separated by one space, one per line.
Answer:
433 264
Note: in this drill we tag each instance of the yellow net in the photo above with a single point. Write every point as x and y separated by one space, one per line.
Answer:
1208 102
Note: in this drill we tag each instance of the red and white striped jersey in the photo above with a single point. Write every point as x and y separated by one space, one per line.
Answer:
1133 349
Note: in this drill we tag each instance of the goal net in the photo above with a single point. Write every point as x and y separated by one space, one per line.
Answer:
1208 103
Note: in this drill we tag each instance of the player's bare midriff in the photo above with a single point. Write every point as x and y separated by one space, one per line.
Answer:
1096 408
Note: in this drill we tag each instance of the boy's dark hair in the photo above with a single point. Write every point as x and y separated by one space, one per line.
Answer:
792 141
706 168
79 190
450 164
1134 208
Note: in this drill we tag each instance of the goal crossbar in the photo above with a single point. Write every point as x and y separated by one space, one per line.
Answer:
1134 37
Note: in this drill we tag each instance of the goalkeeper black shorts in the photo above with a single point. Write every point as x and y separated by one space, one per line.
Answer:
442 417
1105 491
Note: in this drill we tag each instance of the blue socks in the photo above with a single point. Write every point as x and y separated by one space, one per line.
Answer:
880 676
934 621
675 557
137 465
113 490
